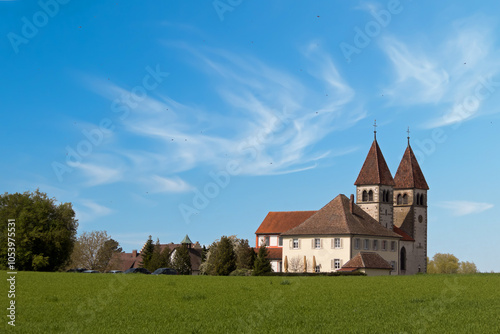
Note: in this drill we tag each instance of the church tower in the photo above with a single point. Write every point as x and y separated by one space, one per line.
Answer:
374 187
410 210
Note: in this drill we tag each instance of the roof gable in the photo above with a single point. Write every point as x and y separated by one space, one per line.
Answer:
367 260
279 222
409 174
374 170
337 218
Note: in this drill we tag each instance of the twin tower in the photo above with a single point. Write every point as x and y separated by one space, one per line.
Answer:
398 203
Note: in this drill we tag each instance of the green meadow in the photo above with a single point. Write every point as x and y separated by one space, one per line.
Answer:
118 303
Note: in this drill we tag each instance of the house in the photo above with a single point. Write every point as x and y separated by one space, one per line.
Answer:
124 261
381 230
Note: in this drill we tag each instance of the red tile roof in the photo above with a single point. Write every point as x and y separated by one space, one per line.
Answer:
374 170
402 233
336 218
367 260
274 253
279 222
409 174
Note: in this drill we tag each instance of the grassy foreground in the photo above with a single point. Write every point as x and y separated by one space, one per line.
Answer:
107 303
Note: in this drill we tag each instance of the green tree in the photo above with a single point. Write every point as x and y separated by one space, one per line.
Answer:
443 264
94 250
262 264
147 253
245 255
225 258
467 268
45 231
160 258
182 260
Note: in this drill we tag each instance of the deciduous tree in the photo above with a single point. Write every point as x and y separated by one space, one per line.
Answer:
94 250
225 258
45 231
467 268
443 264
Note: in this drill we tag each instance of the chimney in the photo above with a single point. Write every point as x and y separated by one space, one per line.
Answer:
134 253
351 203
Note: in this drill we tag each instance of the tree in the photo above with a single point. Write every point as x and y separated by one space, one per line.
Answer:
296 265
45 232
182 260
106 253
443 264
467 268
159 259
225 258
245 255
94 250
147 253
262 264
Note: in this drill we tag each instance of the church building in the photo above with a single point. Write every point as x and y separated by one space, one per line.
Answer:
382 230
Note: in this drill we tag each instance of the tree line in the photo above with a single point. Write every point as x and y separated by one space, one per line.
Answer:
45 240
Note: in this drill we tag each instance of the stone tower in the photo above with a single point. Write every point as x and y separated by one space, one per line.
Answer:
374 187
410 212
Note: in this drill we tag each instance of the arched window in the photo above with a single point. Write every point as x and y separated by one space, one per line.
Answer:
365 196
418 199
370 196
382 199
422 199
403 259
400 199
405 199
387 196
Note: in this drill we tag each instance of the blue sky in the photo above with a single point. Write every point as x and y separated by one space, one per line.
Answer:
173 118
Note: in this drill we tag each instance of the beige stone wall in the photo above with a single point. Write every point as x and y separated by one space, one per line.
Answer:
324 255
381 211
387 254
376 272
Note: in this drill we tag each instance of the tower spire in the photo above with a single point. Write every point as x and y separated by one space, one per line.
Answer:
375 130
408 135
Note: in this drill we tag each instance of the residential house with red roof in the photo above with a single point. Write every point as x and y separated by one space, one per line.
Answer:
381 230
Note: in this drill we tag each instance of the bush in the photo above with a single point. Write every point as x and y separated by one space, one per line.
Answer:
241 272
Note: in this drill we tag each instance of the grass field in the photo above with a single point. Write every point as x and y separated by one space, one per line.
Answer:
107 303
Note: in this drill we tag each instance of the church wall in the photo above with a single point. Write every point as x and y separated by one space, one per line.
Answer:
386 254
323 255
376 272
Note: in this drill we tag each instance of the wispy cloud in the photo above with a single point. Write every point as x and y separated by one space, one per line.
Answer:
448 75
267 119
87 210
462 208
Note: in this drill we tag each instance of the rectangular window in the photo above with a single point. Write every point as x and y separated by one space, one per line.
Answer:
393 246
366 244
316 270
267 241
295 243
338 243
375 244
317 243
357 243
384 245
393 265
280 241
336 264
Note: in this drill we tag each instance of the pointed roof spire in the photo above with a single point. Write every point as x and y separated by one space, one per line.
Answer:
408 136
409 174
186 240
375 130
374 170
